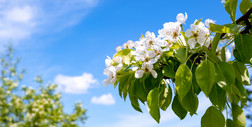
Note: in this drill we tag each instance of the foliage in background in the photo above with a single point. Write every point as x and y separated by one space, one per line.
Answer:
173 67
32 107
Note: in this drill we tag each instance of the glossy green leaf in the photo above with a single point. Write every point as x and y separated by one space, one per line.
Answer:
238 115
181 55
218 97
241 73
197 22
153 104
178 108
183 80
243 48
139 90
165 98
225 76
122 83
223 54
134 102
125 55
212 118
228 28
215 42
230 123
195 85
245 5
190 102
230 6
205 76
240 91
169 69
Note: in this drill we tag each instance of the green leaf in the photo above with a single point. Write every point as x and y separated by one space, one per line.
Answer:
238 115
153 104
183 80
215 41
125 55
178 108
169 69
197 23
228 28
133 97
205 76
147 84
245 5
241 73
223 54
139 90
190 102
230 123
240 90
230 6
225 76
195 85
165 97
181 55
123 81
212 118
243 47
134 102
218 97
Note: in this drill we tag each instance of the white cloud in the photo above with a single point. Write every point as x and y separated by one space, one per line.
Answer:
75 84
20 19
105 99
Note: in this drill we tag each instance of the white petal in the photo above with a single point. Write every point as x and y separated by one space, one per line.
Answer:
188 33
181 18
139 73
106 82
134 68
149 66
108 61
154 73
191 42
118 48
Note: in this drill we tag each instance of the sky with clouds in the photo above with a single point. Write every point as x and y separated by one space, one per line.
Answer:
66 42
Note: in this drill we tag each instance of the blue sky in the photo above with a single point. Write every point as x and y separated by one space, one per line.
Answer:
67 42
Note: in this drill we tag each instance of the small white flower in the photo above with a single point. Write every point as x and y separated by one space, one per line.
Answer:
181 18
108 61
118 48
139 73
208 21
129 44
223 1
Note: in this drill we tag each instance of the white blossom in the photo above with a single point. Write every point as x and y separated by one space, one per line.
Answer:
129 44
197 34
118 48
208 21
181 18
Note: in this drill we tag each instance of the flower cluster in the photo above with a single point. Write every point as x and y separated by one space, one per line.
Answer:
146 52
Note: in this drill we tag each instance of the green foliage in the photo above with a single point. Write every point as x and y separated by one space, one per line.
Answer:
153 104
149 71
212 118
205 76
32 107
183 80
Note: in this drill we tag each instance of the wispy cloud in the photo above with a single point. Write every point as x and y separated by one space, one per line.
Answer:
75 84
20 19
105 99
